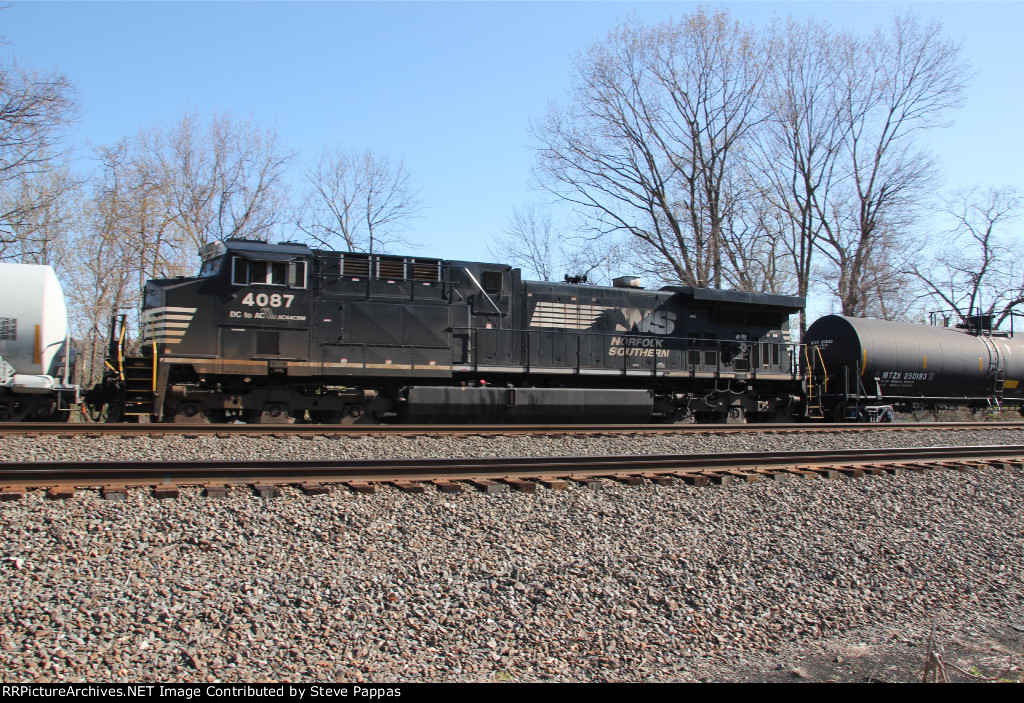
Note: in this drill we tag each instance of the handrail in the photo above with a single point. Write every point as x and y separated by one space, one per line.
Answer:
154 363
120 350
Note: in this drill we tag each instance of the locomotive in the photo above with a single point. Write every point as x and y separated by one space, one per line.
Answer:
36 358
281 333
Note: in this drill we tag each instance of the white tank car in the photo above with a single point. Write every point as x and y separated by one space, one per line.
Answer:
33 349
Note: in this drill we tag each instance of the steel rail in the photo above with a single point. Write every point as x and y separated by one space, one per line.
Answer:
127 429
89 474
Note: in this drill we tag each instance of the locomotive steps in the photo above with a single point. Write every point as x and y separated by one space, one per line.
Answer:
490 474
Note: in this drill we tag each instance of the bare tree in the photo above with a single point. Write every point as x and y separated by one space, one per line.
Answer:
48 206
106 260
646 146
35 109
979 271
900 81
225 177
796 160
359 201
548 252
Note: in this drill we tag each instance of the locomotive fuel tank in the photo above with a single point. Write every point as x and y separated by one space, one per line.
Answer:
905 361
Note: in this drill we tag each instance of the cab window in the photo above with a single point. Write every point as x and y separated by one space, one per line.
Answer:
211 267
268 273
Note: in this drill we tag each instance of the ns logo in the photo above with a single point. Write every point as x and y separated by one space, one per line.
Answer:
654 322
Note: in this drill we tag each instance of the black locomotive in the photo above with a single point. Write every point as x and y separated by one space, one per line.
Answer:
283 333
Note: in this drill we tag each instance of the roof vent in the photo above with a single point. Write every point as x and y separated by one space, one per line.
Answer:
626 282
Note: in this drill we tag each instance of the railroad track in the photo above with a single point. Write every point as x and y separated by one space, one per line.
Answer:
114 478
161 429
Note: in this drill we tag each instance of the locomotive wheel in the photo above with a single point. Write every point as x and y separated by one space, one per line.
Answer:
736 416
190 413
353 414
275 413
683 416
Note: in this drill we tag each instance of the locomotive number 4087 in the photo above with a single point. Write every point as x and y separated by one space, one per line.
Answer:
263 300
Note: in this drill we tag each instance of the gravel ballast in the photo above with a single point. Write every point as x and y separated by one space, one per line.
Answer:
623 583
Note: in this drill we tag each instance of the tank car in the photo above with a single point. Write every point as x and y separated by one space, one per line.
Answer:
283 333
36 368
865 369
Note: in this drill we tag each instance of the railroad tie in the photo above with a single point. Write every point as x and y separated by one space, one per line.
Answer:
165 491
488 486
1008 464
851 471
804 473
114 492
409 486
312 488
361 487
693 479
8 493
60 493
827 472
745 476
266 490
629 480
521 485
447 486
212 490
589 482
554 484
873 470
721 479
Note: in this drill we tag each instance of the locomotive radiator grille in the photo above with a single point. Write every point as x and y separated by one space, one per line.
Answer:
565 316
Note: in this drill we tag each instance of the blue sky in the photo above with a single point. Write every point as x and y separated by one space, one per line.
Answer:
450 87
